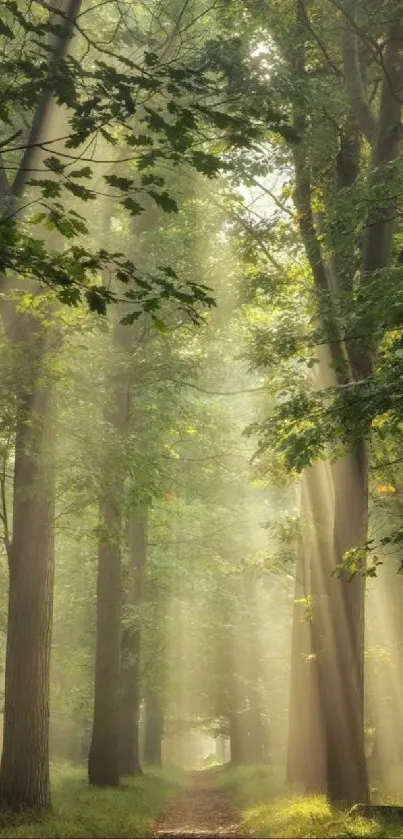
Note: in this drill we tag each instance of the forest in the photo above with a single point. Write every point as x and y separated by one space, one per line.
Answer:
201 418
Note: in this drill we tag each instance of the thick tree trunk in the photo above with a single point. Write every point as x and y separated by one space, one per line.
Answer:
25 758
385 672
103 762
103 759
24 774
342 683
129 759
338 503
154 725
326 746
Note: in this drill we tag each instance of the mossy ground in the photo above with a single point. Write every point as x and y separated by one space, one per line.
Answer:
80 811
268 811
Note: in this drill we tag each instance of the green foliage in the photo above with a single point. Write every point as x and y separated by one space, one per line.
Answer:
167 110
81 811
269 811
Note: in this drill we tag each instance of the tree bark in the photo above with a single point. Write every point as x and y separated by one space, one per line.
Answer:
24 773
24 779
346 761
103 759
103 763
154 724
129 758
236 735
306 764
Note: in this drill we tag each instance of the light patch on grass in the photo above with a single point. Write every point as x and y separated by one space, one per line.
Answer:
81 811
270 812
303 817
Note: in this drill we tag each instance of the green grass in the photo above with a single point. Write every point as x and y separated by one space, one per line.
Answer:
269 811
83 811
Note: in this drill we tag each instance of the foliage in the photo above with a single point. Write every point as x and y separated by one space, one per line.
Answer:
269 811
81 811
144 111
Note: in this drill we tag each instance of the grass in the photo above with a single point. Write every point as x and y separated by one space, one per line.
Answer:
268 811
80 811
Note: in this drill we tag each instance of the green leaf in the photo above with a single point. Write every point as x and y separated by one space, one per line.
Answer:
123 184
54 164
80 191
168 271
96 300
50 189
135 209
127 320
36 218
5 30
150 59
160 325
165 201
85 172
208 164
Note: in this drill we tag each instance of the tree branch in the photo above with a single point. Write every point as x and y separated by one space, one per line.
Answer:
42 111
303 204
354 81
319 41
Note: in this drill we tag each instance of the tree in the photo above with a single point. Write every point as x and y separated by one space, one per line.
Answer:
333 172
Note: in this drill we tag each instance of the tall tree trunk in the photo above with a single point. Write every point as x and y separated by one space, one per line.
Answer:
342 682
24 772
306 765
24 779
129 759
236 737
103 759
154 725
103 763
255 731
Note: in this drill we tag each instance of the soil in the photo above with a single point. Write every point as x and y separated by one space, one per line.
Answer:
202 810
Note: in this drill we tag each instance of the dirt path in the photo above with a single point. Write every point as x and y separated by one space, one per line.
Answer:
202 810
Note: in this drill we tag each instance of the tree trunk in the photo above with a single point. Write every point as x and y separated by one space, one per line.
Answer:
24 773
154 725
103 759
103 763
255 735
237 751
342 679
338 620
337 625
25 758
129 759
306 756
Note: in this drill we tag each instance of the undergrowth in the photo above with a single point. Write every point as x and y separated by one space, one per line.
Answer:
269 811
81 811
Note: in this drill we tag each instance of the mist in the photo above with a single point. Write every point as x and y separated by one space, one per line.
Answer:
200 419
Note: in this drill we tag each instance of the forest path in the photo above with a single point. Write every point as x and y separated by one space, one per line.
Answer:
202 810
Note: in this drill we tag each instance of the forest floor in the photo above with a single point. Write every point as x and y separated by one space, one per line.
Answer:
221 803
201 810
81 811
268 810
